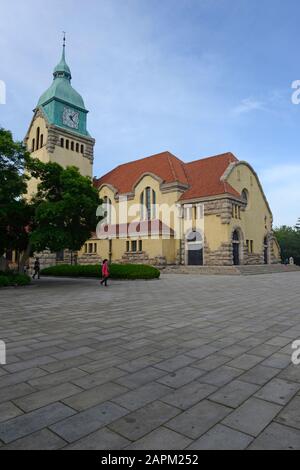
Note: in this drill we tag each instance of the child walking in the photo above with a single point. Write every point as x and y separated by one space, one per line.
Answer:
105 272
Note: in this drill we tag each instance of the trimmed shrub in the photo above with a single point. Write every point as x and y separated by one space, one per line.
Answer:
117 271
12 279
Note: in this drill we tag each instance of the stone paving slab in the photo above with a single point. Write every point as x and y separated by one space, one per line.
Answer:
183 362
222 438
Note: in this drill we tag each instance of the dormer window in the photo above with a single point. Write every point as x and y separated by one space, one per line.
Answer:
62 143
67 144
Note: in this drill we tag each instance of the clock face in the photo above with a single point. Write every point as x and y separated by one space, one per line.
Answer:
71 118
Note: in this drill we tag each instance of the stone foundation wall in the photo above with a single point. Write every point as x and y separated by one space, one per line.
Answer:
220 257
141 257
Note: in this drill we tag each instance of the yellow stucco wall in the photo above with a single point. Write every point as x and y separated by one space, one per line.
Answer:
256 220
62 156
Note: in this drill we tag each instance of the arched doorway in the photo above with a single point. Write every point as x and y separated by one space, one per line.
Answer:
236 248
266 250
194 244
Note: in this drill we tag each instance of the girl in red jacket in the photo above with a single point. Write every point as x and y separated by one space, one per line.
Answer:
105 272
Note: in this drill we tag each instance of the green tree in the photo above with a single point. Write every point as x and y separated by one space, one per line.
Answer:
289 241
62 214
64 209
14 211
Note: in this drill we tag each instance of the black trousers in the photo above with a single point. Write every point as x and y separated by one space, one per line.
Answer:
36 272
104 281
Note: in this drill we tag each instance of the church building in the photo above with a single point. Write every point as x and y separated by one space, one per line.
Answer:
220 214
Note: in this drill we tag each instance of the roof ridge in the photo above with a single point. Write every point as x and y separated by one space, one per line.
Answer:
213 156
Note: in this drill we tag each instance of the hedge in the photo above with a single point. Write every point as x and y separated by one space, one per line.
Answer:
11 279
117 271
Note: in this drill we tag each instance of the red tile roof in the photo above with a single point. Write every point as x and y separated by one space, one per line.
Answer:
203 177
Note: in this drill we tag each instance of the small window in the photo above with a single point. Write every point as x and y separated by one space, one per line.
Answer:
134 246
127 246
33 145
140 245
62 143
85 247
67 144
37 138
82 149
77 147
153 204
95 247
251 246
72 145
42 140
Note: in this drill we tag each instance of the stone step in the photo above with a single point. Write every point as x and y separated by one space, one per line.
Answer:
246 270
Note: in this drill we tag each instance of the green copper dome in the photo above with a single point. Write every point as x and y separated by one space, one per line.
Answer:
61 104
61 88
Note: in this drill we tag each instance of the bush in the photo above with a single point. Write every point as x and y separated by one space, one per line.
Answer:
117 271
11 279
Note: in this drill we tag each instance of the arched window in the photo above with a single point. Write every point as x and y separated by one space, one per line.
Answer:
67 144
142 205
33 145
62 143
77 147
108 209
153 204
37 138
72 145
148 204
42 140
245 196
82 148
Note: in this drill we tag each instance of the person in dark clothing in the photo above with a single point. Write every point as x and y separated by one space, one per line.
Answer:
36 268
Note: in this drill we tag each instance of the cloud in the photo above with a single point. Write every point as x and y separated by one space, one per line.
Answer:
247 105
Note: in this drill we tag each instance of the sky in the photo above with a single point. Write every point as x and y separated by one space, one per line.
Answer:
195 77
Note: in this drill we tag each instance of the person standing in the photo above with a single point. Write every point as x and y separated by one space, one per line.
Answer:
105 273
36 268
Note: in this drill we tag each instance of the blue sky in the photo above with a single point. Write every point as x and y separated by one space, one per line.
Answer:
195 77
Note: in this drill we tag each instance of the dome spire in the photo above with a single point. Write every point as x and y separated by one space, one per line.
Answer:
62 69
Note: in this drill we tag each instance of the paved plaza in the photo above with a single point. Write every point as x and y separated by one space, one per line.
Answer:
186 362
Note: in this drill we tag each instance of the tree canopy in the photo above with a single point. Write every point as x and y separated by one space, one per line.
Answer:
61 215
289 241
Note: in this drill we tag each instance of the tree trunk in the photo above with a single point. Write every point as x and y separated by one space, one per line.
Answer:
24 258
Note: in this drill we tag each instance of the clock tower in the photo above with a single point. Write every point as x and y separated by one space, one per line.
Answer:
58 130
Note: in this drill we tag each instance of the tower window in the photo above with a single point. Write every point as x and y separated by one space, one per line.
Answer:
42 140
67 144
62 143
72 145
37 138
82 149
77 147
33 145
